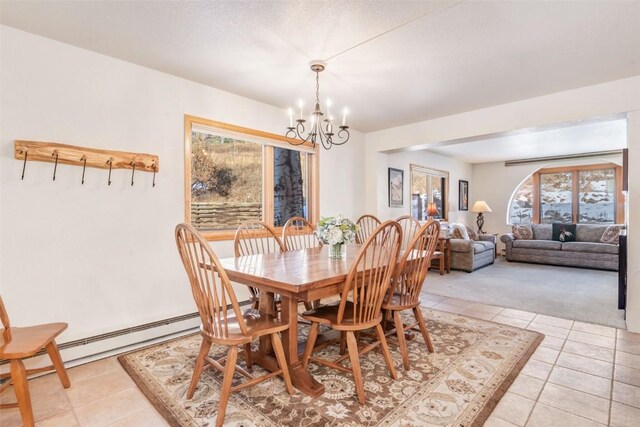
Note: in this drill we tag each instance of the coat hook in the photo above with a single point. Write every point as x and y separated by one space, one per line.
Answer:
55 166
154 174
84 166
110 161
24 165
133 171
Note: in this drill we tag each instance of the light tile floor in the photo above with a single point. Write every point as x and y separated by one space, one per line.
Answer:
581 375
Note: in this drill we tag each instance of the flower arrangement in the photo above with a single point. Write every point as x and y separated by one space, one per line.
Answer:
336 230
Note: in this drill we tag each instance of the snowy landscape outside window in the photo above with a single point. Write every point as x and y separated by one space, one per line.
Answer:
590 194
236 174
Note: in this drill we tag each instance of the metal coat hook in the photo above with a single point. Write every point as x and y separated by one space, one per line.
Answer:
154 174
133 172
55 166
110 161
84 167
24 165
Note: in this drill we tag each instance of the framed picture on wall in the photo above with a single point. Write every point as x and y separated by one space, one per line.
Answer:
396 188
463 195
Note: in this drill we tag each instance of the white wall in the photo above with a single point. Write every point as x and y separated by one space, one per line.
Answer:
103 258
633 239
402 160
495 183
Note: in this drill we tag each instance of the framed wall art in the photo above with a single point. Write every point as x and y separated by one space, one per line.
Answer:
396 188
463 195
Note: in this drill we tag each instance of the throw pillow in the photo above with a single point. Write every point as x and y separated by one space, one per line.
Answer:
473 234
612 234
522 232
459 231
563 232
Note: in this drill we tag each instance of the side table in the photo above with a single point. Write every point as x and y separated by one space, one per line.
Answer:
442 256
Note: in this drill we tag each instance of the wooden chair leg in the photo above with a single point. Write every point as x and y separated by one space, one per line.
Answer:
354 357
423 328
54 354
282 361
385 352
19 378
402 343
343 342
197 370
311 341
225 390
248 357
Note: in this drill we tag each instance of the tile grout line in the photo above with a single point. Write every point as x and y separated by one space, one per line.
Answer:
613 376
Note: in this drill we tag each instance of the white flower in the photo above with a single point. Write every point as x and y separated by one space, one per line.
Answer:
334 236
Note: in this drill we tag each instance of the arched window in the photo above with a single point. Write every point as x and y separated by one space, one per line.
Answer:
589 194
521 205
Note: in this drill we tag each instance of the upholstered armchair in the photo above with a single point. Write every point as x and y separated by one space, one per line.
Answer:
468 254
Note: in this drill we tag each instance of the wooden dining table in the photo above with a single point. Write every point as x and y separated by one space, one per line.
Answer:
296 276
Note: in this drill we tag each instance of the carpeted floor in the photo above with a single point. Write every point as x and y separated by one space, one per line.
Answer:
571 293
459 385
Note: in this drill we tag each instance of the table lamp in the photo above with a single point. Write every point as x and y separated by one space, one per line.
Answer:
432 210
480 207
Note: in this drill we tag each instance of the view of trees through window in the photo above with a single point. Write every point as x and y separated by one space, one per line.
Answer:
521 209
227 185
226 181
556 197
425 188
594 201
597 198
289 190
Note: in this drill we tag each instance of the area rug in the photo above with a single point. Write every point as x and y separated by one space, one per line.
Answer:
474 363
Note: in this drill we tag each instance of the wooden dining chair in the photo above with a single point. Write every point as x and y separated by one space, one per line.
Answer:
404 292
253 238
366 225
410 227
298 233
17 344
359 308
213 294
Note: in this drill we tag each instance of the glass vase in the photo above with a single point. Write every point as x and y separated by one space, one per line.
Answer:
337 251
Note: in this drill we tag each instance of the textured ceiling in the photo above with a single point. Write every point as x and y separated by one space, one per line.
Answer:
593 137
423 59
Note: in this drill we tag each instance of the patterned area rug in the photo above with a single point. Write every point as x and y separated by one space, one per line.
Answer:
459 385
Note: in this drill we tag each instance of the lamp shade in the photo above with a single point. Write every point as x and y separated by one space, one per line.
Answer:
432 209
480 206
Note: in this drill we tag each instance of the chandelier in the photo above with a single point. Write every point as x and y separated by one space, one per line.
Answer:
321 130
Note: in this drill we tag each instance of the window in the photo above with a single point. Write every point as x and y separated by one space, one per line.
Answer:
428 185
235 174
581 194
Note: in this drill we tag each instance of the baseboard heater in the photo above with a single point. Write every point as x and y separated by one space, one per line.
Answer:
123 332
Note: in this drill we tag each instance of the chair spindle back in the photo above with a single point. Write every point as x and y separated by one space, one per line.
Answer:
371 273
366 226
211 288
410 227
254 238
298 233
414 264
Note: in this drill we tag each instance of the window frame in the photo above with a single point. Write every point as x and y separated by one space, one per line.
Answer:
434 172
268 142
575 190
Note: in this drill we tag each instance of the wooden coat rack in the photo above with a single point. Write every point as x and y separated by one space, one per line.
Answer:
52 152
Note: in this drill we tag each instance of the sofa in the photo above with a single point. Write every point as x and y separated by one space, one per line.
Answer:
587 251
468 254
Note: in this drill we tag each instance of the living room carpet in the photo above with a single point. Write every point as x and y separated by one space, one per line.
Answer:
570 293
473 365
